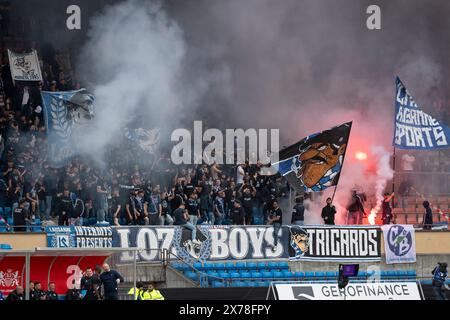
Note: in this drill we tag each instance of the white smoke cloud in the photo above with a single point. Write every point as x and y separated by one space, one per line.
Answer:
134 61
384 173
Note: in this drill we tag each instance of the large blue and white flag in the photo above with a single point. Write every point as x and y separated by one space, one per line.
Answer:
415 129
64 112
147 139
315 162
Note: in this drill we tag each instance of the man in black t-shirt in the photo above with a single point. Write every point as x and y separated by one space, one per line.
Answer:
248 198
65 208
193 208
237 214
275 219
298 212
181 218
21 216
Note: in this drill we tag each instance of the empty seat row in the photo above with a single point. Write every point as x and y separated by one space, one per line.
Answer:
283 265
230 266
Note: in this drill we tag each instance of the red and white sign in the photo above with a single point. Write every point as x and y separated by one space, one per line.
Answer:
64 271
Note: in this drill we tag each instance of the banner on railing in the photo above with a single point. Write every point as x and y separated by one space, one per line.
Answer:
399 243
79 237
215 243
353 291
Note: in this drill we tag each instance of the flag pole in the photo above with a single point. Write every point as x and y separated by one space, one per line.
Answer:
393 177
343 161
334 192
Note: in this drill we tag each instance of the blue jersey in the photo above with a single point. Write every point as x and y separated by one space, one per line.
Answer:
438 276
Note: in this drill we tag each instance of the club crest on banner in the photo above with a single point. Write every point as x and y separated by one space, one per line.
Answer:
399 243
9 278
193 250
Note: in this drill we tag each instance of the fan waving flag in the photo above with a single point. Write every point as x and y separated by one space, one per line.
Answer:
415 129
315 162
64 112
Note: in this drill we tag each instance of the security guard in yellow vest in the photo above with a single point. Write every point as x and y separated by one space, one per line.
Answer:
151 293
138 291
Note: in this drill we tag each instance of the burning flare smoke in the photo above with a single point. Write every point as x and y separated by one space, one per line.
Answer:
383 174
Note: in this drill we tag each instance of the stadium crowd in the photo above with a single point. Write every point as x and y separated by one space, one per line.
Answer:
132 187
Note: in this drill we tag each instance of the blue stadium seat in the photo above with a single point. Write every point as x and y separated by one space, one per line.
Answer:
212 273
331 274
184 267
218 284
362 275
229 266
299 275
261 266
288 274
251 284
235 275
267 274
239 283
257 275
191 275
309 275
198 266
208 266
246 275
3 228
224 275
8 212
5 246
278 275
411 273
10 221
272 265
383 274
175 265
426 282
251 265
240 265
402 273
320 275
1 211
219 266
261 284
35 228
258 220
391 274
283 265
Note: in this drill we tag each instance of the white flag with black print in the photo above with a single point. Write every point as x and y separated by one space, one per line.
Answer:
399 243
24 66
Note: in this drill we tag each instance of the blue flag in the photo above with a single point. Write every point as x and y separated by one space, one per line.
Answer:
415 129
63 112
315 162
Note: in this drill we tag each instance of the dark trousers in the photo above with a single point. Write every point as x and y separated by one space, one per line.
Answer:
276 228
439 294
111 296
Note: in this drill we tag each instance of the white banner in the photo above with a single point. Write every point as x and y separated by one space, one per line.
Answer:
353 291
399 243
24 66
